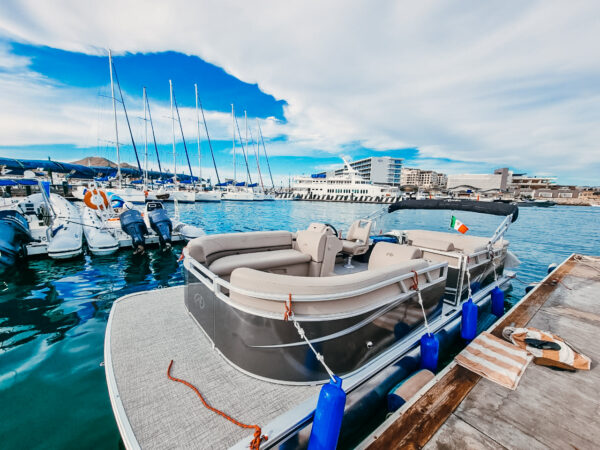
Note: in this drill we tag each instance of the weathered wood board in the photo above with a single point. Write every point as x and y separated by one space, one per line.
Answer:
549 409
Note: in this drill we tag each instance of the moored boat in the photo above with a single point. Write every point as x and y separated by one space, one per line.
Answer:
229 323
14 235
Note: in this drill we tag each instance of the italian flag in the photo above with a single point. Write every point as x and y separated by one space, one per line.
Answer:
458 225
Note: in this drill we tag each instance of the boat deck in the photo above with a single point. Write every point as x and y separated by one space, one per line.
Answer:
549 408
148 330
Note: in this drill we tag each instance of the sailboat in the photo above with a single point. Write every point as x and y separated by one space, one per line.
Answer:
128 194
262 193
176 192
203 193
239 191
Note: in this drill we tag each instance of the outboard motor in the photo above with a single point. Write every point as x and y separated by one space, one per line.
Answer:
14 235
133 224
160 223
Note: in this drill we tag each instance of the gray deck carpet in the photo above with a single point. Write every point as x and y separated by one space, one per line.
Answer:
148 330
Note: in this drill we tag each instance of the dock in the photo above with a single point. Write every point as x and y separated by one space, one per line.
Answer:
549 409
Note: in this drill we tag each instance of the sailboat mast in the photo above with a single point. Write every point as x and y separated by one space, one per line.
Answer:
243 150
187 155
173 130
198 127
137 158
212 154
265 150
145 142
154 137
114 102
233 135
246 125
257 155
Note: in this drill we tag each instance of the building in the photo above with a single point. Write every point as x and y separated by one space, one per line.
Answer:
378 170
481 182
423 179
502 180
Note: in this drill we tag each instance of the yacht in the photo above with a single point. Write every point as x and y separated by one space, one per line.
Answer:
350 187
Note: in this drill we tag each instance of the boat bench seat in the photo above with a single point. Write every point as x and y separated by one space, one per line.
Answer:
272 283
386 254
207 249
448 242
284 261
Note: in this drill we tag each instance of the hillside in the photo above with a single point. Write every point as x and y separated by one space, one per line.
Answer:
99 161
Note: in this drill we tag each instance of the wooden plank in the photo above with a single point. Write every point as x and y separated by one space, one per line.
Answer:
550 409
419 422
461 435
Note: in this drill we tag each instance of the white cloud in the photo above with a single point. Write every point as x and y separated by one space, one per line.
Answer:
496 82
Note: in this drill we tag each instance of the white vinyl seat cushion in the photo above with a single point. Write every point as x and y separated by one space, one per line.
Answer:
270 283
206 249
439 240
387 254
258 261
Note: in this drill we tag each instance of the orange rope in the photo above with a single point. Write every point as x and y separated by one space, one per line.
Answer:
288 309
415 278
255 444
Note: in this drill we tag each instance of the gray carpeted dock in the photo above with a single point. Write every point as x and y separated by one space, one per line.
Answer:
148 330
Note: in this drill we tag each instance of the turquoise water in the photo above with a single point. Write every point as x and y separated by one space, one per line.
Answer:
53 313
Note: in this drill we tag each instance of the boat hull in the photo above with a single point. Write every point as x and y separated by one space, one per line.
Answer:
208 196
272 349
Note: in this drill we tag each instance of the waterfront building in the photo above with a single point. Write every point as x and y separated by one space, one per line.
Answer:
423 179
376 169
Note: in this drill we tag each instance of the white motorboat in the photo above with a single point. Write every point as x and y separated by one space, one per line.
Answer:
55 224
110 225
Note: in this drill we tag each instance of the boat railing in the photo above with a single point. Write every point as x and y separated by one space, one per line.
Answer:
433 274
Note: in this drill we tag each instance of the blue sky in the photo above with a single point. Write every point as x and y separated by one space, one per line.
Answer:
458 88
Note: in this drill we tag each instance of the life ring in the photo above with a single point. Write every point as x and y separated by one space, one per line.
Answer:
95 199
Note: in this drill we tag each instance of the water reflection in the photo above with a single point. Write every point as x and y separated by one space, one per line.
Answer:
53 313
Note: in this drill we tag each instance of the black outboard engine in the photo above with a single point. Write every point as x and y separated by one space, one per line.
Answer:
14 235
160 223
133 224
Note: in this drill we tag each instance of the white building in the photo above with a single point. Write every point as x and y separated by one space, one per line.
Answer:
478 181
423 179
376 169
502 180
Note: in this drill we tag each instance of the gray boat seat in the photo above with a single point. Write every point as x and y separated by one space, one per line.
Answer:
386 254
206 249
438 240
291 262
322 247
357 239
271 283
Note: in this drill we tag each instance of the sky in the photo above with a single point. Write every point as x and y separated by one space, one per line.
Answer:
453 86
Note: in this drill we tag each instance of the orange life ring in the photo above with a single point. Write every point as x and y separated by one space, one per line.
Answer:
91 199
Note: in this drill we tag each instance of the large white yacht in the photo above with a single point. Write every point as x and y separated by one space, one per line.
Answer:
347 187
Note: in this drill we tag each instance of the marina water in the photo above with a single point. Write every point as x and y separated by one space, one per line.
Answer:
53 314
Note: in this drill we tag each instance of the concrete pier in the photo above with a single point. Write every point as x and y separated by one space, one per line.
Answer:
549 409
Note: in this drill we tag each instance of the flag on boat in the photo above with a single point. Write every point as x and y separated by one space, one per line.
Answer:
495 359
458 225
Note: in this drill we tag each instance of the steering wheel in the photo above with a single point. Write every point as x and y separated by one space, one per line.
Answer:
333 228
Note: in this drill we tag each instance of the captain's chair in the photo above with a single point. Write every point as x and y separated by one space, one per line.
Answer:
357 240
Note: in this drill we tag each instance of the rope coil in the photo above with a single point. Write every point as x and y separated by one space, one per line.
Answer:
258 436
